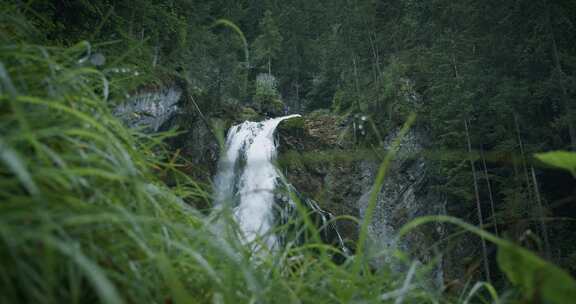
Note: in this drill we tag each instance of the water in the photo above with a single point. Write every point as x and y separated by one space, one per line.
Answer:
247 178
249 183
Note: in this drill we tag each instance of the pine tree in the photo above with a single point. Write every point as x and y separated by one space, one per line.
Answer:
268 44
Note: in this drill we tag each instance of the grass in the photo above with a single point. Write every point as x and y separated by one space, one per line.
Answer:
85 218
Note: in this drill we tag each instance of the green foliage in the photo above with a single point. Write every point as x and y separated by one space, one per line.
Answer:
238 31
538 280
340 102
248 114
294 123
559 159
291 127
78 187
266 96
267 44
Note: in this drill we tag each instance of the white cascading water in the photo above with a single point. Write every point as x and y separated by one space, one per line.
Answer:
247 178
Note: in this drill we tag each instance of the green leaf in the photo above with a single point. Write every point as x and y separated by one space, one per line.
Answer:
538 279
13 161
559 159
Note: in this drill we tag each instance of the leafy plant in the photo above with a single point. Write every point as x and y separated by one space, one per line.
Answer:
537 279
559 159
267 97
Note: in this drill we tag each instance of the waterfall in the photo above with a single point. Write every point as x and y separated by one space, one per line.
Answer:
247 178
249 183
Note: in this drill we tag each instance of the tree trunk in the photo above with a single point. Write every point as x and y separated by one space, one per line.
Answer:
356 81
492 207
543 225
156 57
533 183
522 155
355 73
478 206
131 22
376 57
297 86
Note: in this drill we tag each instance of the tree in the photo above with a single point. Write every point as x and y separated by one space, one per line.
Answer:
268 44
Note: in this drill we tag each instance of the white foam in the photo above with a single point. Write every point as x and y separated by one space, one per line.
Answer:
247 178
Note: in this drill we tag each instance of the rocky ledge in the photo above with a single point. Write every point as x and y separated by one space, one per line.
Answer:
321 155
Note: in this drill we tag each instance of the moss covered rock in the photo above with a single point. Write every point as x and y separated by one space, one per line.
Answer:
292 127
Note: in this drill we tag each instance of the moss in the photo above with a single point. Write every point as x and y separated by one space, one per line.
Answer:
293 127
293 123
291 159
247 113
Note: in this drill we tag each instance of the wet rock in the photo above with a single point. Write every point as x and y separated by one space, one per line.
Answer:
405 195
306 153
322 161
150 108
170 106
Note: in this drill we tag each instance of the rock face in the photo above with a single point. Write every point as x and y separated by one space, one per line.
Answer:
405 195
305 156
171 106
150 108
321 160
